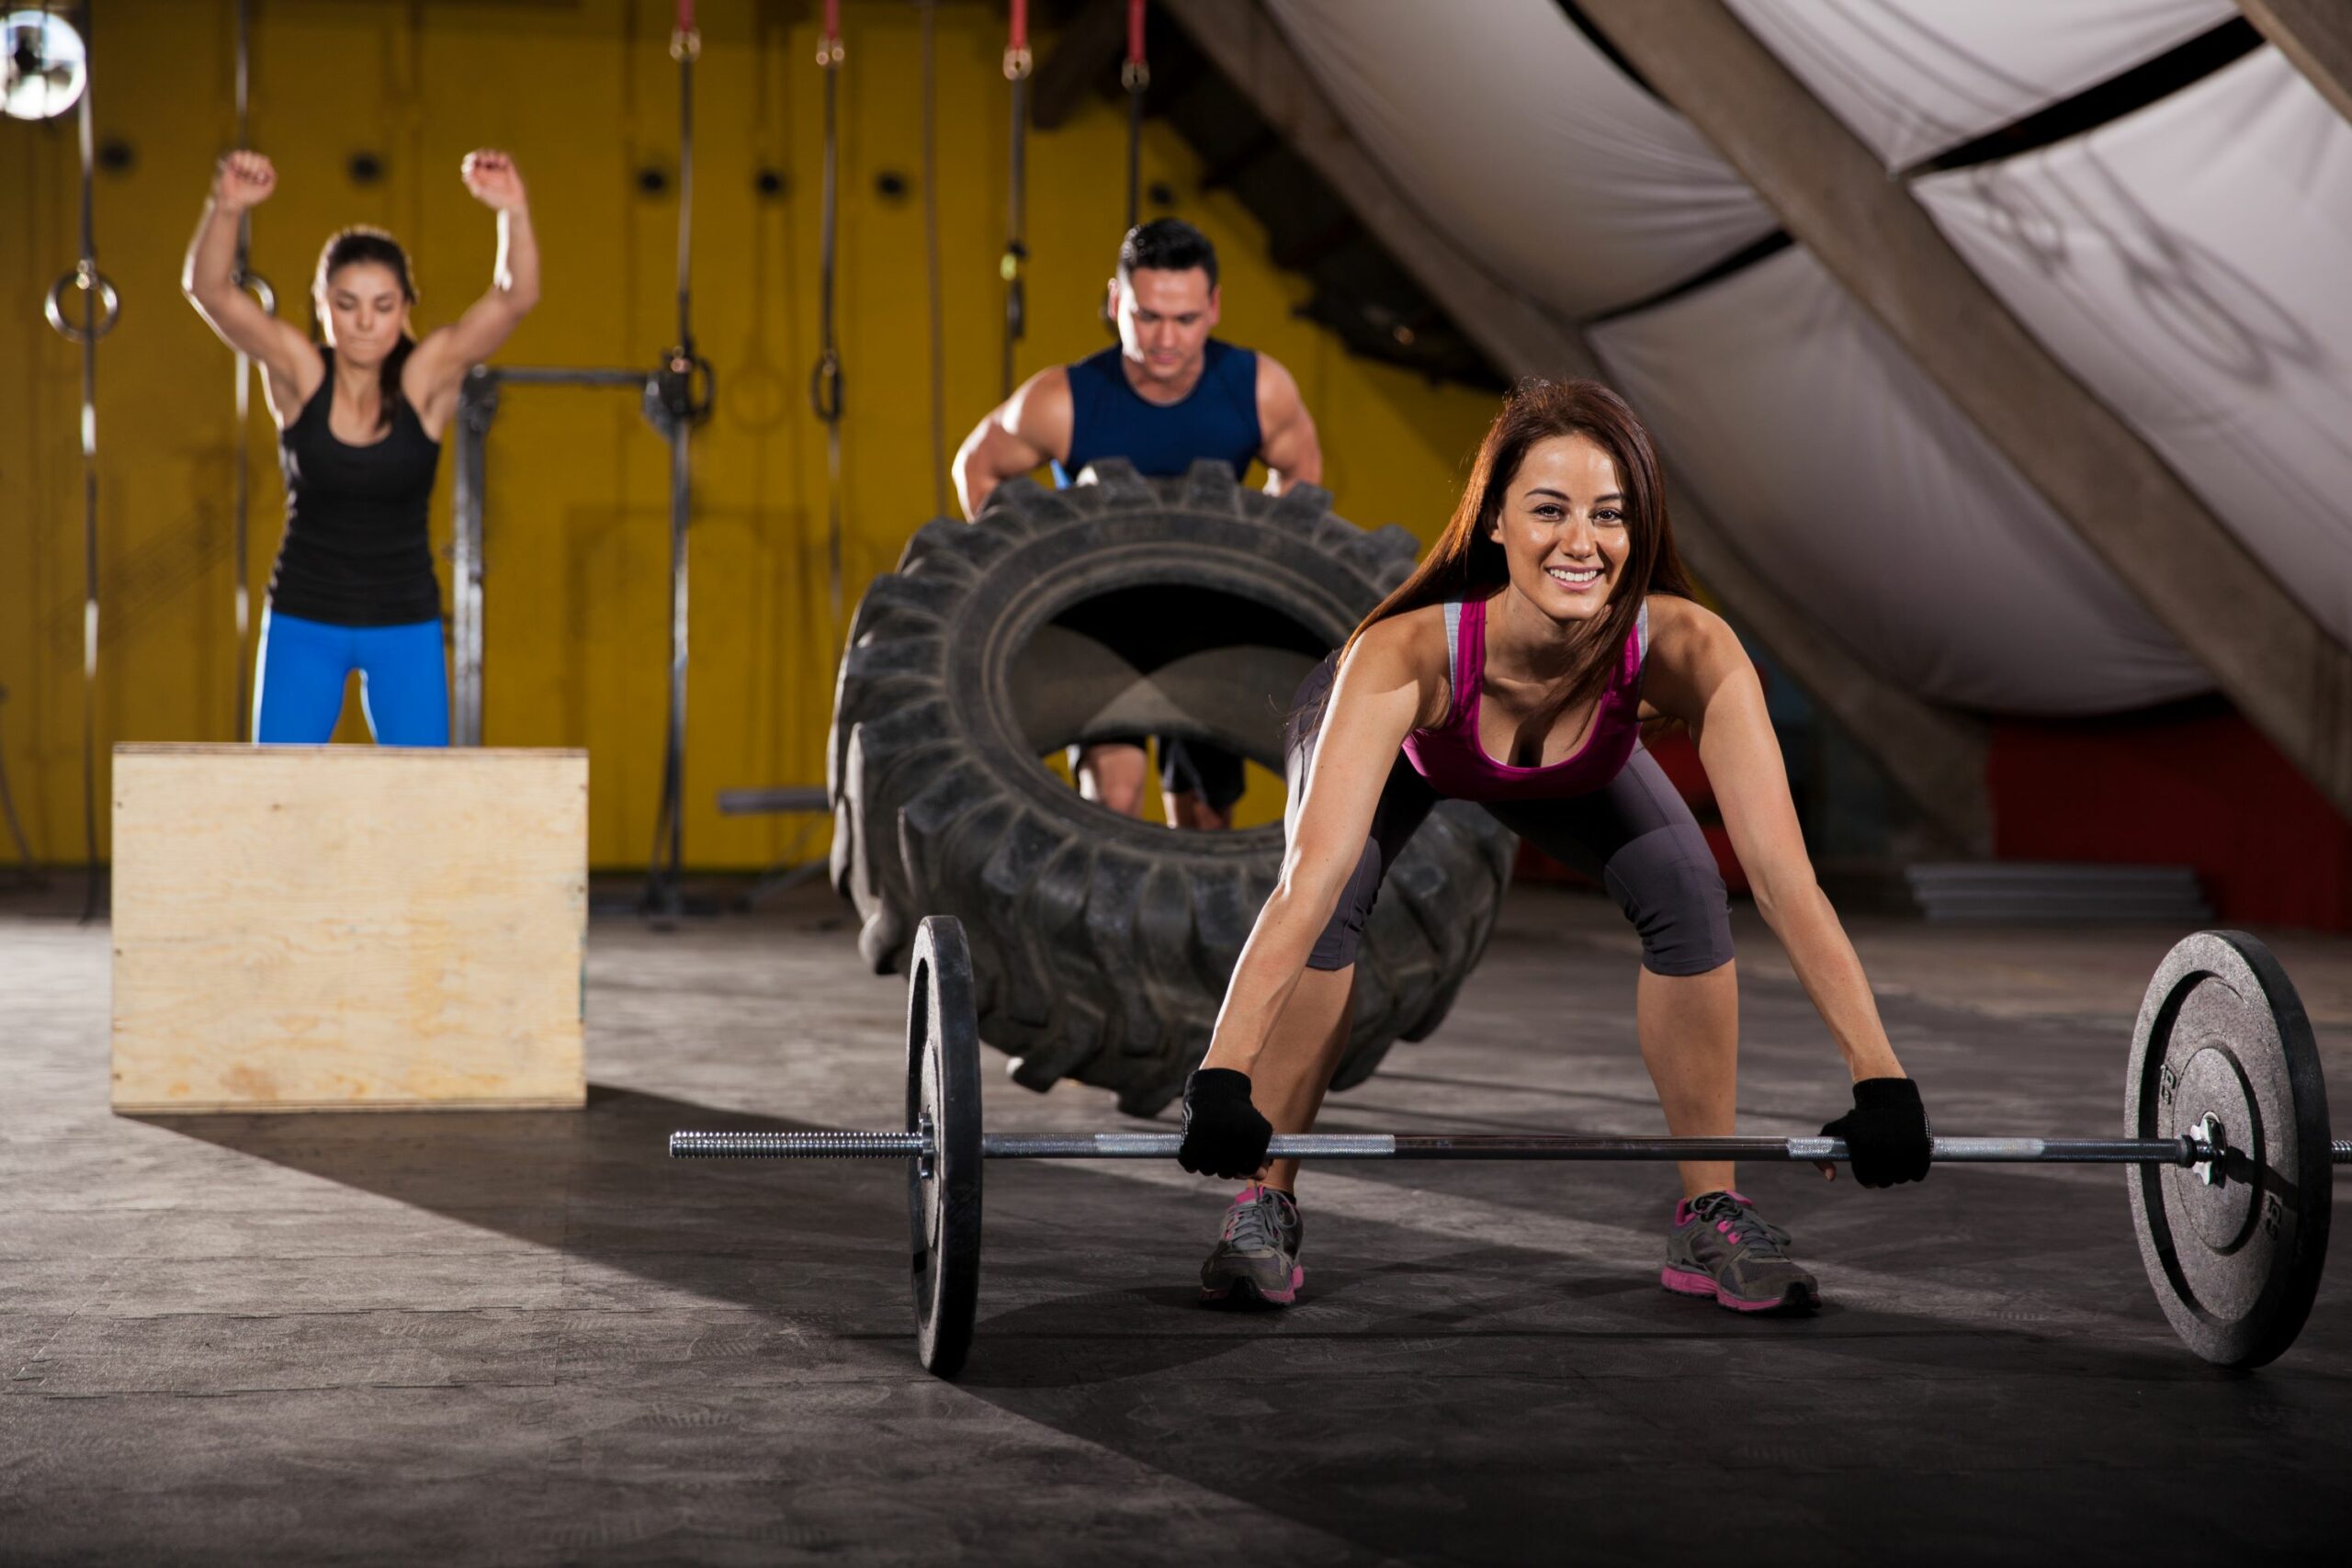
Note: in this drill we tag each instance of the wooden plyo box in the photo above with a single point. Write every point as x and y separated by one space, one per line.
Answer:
307 928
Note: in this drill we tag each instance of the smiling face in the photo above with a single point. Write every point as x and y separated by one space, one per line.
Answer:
1164 319
363 311
1563 528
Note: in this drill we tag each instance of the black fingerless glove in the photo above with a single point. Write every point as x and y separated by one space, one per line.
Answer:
1224 1134
1887 1133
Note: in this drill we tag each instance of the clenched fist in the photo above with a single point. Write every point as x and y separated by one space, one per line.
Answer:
495 182
243 181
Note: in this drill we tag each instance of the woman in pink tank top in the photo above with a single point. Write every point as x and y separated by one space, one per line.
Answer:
1514 668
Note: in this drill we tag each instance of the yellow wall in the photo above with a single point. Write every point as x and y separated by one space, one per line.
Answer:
584 94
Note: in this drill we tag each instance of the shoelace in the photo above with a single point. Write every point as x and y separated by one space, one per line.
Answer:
1745 1224
1255 1226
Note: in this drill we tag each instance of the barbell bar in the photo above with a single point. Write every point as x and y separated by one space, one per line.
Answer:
2230 1161
2188 1150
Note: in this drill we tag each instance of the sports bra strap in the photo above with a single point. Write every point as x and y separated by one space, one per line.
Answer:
1453 659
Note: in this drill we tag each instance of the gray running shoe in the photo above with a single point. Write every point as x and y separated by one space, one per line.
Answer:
1722 1247
1256 1261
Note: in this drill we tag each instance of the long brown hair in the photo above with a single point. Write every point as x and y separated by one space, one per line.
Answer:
1465 563
364 243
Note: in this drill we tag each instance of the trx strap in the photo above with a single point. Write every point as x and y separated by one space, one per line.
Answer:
246 278
1135 76
1017 62
101 308
677 398
825 380
931 259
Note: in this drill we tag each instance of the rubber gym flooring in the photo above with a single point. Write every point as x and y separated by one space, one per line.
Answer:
530 1338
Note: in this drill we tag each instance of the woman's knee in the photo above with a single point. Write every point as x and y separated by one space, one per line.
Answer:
1669 885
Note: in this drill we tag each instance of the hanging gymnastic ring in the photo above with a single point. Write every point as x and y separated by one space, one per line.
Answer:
1135 75
258 287
110 304
825 386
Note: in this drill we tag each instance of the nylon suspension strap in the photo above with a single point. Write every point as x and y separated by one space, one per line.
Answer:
678 398
825 380
101 307
930 9
1135 75
1017 65
246 278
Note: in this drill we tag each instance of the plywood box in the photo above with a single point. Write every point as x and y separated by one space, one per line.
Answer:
302 928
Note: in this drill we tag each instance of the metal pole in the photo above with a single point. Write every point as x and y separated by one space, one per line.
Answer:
477 406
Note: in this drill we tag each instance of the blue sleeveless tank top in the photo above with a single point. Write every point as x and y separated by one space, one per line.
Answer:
1109 418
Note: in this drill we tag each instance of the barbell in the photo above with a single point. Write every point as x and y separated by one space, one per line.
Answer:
2225 1112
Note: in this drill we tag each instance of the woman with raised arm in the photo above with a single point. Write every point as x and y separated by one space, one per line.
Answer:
1514 668
360 411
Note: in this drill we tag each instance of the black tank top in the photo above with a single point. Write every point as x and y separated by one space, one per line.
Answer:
355 552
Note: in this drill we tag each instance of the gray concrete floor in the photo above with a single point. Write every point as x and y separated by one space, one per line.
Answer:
529 1338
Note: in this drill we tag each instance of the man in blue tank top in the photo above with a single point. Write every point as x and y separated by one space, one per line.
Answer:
1168 395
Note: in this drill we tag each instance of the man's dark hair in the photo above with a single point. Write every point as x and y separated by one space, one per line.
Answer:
1167 244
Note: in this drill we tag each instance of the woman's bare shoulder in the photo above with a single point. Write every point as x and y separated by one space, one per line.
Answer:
1680 626
1412 642
1405 649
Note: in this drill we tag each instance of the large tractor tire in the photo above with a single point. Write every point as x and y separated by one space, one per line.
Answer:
1121 606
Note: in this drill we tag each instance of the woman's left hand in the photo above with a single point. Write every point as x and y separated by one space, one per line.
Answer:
1886 1133
495 182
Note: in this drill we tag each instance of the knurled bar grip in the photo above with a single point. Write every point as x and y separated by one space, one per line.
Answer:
2181 1151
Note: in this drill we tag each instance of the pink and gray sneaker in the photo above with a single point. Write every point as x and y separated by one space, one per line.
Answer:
1722 1247
1256 1261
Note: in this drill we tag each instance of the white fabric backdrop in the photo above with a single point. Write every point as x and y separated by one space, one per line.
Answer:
1513 134
2193 264
1853 485
1914 78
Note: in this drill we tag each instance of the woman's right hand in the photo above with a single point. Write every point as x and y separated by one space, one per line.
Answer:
243 181
1224 1133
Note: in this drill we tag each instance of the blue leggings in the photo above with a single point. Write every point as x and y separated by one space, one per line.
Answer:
299 676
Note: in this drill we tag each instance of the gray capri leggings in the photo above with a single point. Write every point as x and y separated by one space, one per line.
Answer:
1634 836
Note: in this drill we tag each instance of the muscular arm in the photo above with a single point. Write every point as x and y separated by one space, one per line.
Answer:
1286 442
1700 674
1385 688
1018 435
438 366
209 277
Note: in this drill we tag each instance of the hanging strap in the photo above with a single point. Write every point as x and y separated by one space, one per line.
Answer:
1135 76
825 380
931 259
671 402
101 307
246 278
1017 65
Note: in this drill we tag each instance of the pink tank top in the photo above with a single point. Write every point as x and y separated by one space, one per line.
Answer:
1451 758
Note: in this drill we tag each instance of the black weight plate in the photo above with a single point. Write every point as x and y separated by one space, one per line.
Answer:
2235 1264
944 1190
